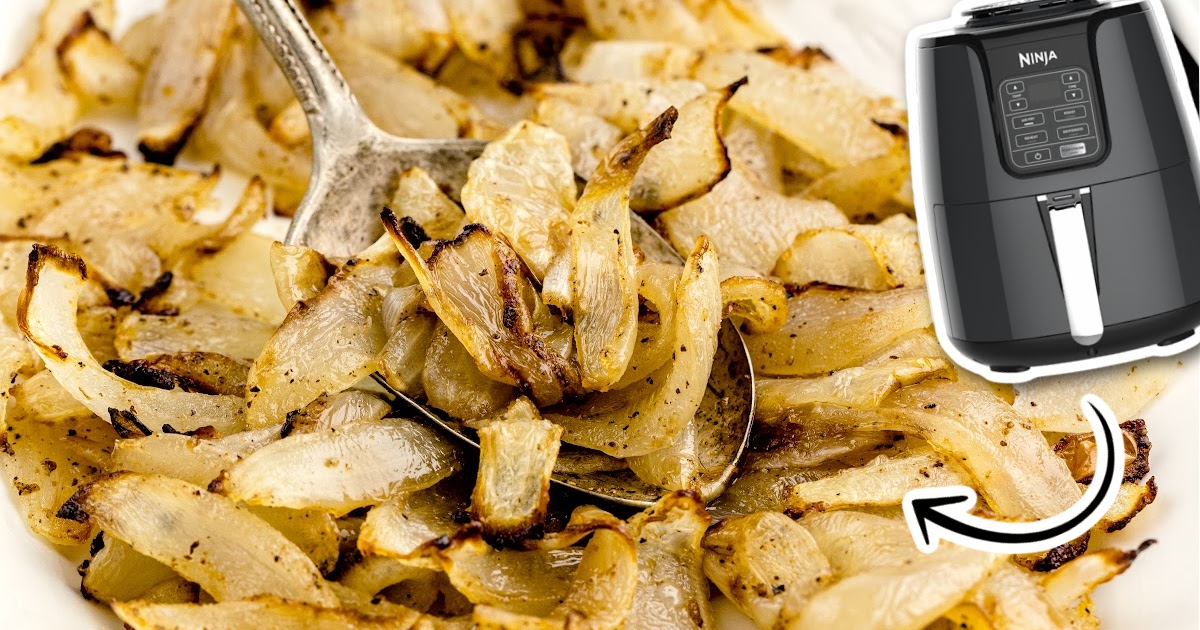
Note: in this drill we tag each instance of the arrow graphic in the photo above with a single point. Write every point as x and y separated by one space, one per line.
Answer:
935 514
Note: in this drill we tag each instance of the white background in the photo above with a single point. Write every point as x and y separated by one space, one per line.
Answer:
39 589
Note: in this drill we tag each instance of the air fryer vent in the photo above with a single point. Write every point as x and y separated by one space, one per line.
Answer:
1011 11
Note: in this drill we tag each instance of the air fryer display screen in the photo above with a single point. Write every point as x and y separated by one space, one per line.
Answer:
1050 119
1043 90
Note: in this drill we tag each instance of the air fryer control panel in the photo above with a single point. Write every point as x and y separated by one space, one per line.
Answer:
1050 118
1047 104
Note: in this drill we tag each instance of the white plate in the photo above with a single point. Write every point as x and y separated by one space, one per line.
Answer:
40 589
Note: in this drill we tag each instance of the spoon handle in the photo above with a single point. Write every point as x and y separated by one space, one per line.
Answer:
332 110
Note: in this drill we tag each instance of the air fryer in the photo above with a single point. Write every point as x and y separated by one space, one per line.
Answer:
1054 158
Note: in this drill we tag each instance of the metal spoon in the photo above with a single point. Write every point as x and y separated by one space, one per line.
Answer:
355 164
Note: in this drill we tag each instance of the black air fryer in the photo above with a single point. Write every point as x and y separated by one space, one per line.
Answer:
1055 172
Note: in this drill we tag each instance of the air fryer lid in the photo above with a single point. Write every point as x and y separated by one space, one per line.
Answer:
1013 11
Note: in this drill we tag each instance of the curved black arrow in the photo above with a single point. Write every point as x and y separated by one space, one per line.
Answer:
935 514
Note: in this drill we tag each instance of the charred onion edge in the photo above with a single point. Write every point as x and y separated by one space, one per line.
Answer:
1056 557
510 267
1136 469
1143 501
729 91
126 424
85 141
75 508
140 372
38 257
803 58
635 149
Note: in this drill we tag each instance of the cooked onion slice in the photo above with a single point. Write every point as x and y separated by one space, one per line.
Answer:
1075 580
139 214
1010 462
207 539
589 136
327 343
477 287
522 187
689 163
300 273
601 590
668 20
881 482
525 582
811 445
399 527
1079 451
672 592
1009 598
204 328
483 30
1132 498
260 612
328 413
768 565
603 268
182 70
36 107
193 459
860 387
702 456
231 135
97 68
650 414
759 303
419 198
625 60
42 396
829 329
313 531
829 117
453 383
362 463
397 97
885 582
372 574
517 452
871 189
762 490
1052 404
414 31
15 357
118 573
47 315
736 24
45 463
754 148
750 224
874 257
239 277
629 105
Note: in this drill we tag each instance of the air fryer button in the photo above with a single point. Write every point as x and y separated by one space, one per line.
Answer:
1018 105
1029 120
1016 87
1032 138
1081 130
1037 157
1070 113
1073 95
1071 77
1073 150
